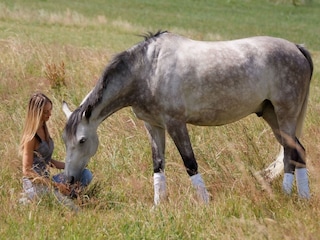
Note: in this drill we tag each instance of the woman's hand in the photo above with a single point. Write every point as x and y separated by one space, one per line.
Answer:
57 164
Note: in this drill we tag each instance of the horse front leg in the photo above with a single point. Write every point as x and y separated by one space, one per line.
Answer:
179 133
157 141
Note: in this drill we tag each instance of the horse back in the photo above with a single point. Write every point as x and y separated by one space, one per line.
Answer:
214 83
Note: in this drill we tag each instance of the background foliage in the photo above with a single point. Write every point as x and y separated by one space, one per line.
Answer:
61 47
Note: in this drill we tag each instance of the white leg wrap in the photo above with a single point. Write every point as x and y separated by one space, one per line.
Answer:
199 185
302 182
287 182
160 188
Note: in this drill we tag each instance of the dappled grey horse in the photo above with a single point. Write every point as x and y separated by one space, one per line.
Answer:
170 81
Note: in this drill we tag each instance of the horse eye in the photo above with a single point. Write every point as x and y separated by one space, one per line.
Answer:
82 140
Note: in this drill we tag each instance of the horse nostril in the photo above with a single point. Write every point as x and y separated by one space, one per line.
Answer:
71 180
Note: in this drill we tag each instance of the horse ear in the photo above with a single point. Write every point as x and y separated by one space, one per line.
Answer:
88 112
66 109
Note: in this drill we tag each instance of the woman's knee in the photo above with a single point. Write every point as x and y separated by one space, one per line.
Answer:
60 178
86 177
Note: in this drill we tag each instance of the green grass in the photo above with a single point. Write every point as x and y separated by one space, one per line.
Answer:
84 35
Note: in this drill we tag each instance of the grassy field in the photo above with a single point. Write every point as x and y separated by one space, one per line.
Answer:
73 41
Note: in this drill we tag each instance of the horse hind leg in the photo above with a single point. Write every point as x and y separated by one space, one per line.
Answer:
157 139
298 159
276 167
294 156
179 134
292 152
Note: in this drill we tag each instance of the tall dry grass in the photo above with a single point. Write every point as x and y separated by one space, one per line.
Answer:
118 205
122 190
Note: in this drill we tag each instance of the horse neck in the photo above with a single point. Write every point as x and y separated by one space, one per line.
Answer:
119 86
115 96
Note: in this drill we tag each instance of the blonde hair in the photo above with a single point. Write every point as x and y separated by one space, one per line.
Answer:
33 118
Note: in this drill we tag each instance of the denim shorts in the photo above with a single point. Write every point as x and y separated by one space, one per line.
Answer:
85 179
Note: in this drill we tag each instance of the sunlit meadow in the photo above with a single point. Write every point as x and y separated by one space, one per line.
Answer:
61 47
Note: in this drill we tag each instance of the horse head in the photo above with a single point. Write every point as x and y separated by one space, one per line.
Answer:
81 141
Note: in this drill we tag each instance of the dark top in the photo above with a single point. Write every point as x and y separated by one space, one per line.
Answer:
42 156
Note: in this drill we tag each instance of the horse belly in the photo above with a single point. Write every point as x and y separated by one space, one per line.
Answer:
217 116
218 105
208 117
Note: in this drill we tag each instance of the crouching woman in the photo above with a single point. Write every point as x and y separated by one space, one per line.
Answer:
36 148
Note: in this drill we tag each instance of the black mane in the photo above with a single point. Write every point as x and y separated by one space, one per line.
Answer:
150 35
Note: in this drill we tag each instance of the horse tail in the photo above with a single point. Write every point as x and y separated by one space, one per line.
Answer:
307 55
303 111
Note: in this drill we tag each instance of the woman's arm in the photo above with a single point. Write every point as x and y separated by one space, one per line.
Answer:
27 160
62 187
57 164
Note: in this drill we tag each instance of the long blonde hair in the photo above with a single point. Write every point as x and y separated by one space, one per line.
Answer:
33 118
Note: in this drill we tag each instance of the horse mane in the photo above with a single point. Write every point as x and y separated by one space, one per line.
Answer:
119 63
149 35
